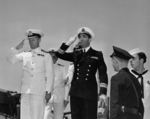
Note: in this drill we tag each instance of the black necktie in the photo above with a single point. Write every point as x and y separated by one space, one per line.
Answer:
81 52
140 76
84 51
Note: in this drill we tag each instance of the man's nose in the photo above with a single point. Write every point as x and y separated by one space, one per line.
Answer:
81 38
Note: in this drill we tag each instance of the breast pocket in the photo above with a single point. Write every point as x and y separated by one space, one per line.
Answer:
39 61
93 60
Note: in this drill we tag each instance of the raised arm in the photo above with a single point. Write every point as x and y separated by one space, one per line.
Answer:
62 54
13 56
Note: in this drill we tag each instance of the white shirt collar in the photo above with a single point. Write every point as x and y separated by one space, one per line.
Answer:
87 48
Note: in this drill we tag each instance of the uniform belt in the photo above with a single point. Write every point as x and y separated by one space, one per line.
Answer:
130 110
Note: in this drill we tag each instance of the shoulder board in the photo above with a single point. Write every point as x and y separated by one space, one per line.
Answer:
78 49
71 63
61 65
44 51
26 51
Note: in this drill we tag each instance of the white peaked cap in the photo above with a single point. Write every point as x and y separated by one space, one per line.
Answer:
33 32
135 51
86 30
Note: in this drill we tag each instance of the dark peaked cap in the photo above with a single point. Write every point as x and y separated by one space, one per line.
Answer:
121 53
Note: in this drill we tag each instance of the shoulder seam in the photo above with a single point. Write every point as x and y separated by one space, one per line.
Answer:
61 65
44 51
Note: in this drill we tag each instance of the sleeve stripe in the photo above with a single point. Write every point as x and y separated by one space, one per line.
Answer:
103 85
61 51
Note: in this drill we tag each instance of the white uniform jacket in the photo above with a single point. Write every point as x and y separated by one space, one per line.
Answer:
58 93
38 73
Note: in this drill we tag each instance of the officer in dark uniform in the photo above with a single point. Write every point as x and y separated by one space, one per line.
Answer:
83 92
125 93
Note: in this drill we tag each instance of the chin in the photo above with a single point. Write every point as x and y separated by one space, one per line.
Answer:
116 70
32 47
81 46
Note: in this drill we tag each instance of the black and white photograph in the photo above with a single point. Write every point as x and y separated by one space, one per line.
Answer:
74 59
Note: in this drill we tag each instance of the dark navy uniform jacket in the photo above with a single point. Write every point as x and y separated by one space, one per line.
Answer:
123 93
84 82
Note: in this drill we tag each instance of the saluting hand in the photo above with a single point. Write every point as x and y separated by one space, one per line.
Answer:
20 45
71 40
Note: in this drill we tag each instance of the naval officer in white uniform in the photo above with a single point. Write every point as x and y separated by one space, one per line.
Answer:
58 99
38 75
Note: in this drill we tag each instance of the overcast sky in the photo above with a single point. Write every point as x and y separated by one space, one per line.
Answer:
122 23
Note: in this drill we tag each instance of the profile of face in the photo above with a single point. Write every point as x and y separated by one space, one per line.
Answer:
135 62
34 42
84 40
115 64
54 57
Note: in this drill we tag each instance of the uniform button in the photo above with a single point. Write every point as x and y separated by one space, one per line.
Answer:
32 62
78 65
77 78
32 55
88 70
89 65
77 73
31 75
87 74
78 69
31 68
86 79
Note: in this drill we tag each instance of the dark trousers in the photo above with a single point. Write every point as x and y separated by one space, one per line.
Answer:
128 115
82 108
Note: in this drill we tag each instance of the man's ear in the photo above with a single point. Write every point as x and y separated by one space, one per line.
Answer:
39 40
142 60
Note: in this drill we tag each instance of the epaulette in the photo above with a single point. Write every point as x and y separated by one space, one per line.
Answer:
71 63
44 51
77 49
61 65
27 51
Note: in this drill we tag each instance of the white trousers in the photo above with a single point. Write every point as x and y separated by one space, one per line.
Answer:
32 106
58 109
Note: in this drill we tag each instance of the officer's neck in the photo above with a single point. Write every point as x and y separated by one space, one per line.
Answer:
33 48
86 48
123 65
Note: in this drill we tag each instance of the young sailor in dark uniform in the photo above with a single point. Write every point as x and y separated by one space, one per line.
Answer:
125 93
